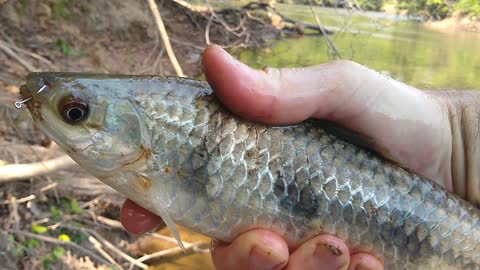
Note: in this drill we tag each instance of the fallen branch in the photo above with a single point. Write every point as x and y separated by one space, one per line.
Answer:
24 171
163 33
52 240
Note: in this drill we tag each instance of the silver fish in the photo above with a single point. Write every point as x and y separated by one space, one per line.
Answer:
167 144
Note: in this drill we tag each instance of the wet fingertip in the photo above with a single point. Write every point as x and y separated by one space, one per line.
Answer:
136 219
263 257
364 261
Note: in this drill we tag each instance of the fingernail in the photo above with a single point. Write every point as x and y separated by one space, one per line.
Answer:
329 257
262 259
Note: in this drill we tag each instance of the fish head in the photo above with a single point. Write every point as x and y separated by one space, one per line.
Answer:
89 116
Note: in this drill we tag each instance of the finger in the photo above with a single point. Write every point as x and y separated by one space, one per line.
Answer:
137 219
392 115
364 261
325 252
255 250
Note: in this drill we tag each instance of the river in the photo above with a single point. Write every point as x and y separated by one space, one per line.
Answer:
403 49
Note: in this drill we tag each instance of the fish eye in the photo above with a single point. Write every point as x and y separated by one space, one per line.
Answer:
74 110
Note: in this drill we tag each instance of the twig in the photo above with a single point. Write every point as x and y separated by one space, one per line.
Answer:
329 42
17 131
222 22
164 35
14 213
21 200
108 245
93 201
49 186
170 251
59 242
98 246
187 44
15 56
166 238
207 30
24 171
110 222
158 61
31 54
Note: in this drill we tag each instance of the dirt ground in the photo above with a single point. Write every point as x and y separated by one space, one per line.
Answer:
68 219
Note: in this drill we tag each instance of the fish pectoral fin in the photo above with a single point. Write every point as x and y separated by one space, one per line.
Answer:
143 184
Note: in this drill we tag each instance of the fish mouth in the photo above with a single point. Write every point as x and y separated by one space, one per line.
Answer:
25 92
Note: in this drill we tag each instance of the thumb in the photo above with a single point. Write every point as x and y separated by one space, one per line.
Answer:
402 123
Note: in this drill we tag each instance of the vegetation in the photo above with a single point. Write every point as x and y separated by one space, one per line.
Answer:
471 7
433 9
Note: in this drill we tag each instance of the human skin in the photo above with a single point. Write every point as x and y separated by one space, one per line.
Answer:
430 133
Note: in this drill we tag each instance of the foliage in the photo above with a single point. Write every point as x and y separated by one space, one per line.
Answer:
67 49
29 247
57 253
436 9
60 9
39 228
469 6
375 5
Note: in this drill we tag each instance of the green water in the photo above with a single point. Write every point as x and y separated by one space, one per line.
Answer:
405 50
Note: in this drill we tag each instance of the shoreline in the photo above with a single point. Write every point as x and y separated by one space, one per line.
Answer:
455 23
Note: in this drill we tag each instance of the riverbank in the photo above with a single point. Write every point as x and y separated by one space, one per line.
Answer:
455 23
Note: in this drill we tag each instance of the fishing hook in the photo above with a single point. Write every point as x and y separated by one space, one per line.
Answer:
19 104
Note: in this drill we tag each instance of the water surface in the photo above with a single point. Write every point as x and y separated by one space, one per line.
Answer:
404 49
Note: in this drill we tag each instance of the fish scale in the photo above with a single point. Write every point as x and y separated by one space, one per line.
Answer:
220 175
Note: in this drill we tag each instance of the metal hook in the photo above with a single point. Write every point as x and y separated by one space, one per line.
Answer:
19 104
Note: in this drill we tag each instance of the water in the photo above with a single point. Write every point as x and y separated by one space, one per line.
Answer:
403 49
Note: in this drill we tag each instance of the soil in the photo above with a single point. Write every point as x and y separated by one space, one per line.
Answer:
105 36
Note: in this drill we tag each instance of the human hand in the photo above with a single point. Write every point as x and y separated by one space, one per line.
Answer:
430 133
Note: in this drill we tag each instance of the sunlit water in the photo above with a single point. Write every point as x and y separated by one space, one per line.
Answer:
403 49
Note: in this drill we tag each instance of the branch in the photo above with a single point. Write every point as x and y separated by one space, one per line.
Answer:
329 42
163 33
24 171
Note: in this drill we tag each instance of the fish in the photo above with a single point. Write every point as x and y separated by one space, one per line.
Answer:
168 144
